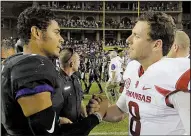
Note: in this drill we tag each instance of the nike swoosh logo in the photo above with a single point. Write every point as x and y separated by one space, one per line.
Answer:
53 124
66 88
146 88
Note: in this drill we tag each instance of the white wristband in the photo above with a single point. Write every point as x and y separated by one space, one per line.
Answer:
98 115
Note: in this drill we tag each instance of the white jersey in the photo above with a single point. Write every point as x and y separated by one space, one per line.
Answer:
115 65
121 60
125 74
145 97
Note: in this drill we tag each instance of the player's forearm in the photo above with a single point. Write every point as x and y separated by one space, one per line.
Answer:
181 102
114 114
113 76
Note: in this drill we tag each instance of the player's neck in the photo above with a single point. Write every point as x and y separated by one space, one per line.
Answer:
68 71
182 54
32 48
148 62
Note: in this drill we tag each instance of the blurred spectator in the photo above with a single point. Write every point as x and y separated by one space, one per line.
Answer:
7 48
83 46
79 23
123 24
120 43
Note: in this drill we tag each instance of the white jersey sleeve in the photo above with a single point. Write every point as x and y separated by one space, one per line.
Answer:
121 103
181 102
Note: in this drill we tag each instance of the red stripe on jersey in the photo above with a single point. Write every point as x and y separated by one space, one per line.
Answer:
182 83
162 91
141 71
166 94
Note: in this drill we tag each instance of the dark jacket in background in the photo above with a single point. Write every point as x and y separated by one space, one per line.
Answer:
72 93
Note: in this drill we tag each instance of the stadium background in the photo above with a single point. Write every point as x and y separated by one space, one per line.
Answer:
104 23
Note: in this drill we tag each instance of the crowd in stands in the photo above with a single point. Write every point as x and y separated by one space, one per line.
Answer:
79 23
130 6
86 46
159 6
121 43
13 40
123 24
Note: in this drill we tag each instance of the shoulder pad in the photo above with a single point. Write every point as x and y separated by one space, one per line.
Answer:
30 68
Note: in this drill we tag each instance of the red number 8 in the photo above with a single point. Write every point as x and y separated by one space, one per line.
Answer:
135 118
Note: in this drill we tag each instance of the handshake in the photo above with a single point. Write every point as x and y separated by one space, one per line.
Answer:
97 104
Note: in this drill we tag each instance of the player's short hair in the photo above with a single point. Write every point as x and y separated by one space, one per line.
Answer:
182 39
33 16
162 27
65 56
7 44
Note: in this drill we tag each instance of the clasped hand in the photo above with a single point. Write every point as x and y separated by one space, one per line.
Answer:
97 104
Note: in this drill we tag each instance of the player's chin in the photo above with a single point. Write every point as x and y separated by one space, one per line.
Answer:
131 56
57 54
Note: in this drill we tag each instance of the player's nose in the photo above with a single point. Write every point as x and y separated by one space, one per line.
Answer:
129 40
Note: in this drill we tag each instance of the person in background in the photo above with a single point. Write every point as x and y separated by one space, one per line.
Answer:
74 108
112 86
94 75
7 49
19 45
181 46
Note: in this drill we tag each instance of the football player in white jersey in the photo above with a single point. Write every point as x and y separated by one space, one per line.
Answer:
156 93
181 45
112 86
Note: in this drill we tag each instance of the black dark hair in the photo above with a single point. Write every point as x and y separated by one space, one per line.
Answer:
33 16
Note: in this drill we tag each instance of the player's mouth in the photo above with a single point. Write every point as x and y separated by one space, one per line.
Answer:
59 47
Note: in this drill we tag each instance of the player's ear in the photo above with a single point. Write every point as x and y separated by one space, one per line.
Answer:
157 45
176 47
71 64
35 32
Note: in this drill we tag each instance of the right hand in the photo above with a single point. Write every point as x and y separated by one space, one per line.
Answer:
104 104
97 104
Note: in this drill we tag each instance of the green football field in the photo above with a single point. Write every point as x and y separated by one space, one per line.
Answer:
106 128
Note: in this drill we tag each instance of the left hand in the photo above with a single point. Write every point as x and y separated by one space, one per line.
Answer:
64 120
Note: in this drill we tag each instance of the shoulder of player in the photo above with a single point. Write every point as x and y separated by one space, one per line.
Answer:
34 61
20 59
133 65
33 65
172 65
